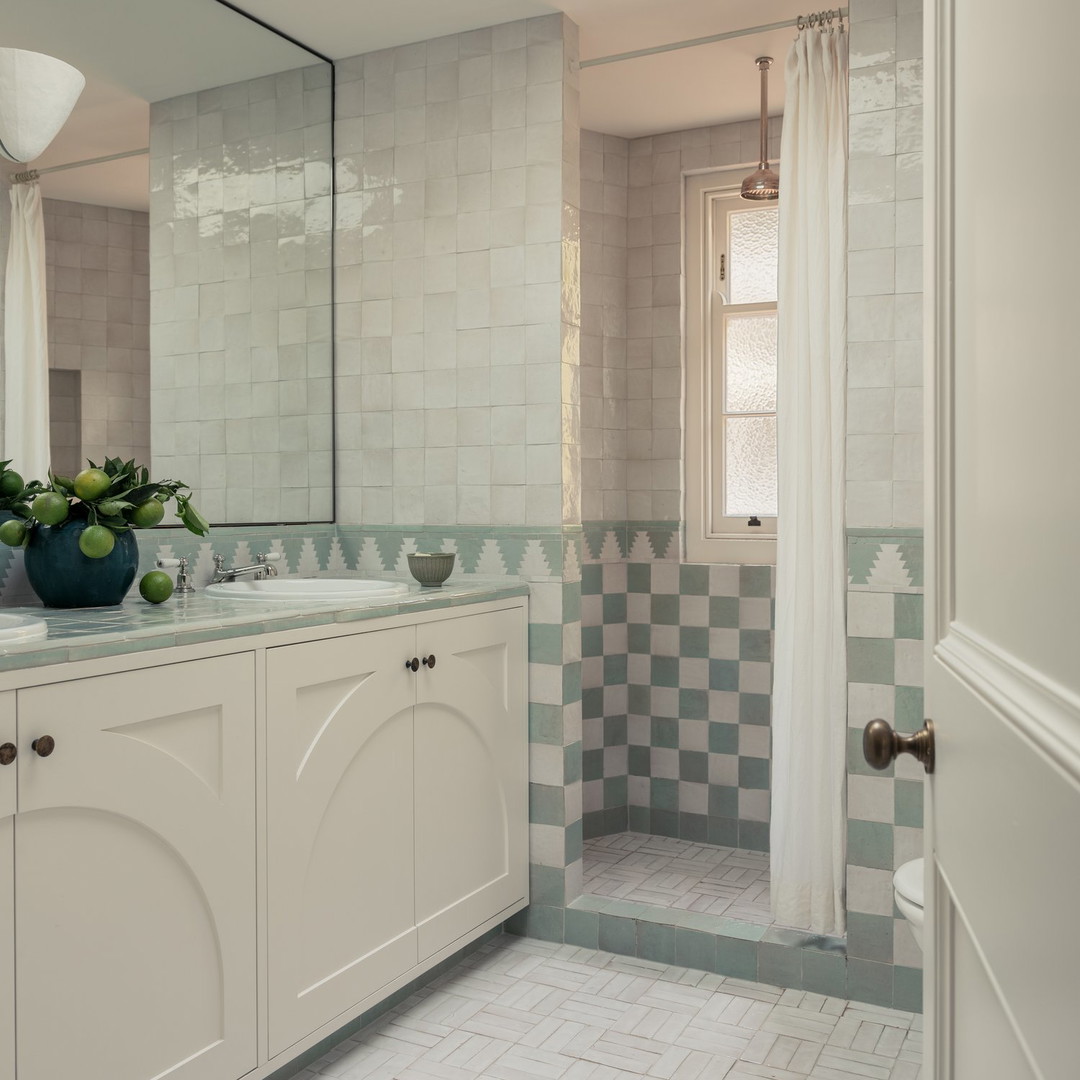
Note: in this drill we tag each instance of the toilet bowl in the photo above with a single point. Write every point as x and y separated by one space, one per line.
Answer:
908 895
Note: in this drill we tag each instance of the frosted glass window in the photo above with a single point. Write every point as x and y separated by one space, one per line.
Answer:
750 351
753 239
750 466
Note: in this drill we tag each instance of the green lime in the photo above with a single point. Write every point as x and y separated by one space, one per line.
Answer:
50 508
91 484
146 515
13 532
96 541
156 587
11 483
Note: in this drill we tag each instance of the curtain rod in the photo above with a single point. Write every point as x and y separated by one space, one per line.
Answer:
800 22
33 174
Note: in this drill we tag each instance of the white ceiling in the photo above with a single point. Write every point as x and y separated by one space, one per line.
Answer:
137 51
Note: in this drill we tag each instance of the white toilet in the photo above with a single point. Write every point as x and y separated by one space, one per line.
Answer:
908 894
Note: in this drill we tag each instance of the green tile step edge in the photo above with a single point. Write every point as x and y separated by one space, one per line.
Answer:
384 1006
729 947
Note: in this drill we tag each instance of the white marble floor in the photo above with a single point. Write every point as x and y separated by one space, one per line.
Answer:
667 872
520 1009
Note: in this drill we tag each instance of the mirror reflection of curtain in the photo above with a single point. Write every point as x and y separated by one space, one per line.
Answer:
26 349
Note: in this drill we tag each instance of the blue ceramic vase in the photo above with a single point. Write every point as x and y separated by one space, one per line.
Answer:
63 577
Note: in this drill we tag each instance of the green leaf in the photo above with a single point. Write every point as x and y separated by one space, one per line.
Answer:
192 519
141 493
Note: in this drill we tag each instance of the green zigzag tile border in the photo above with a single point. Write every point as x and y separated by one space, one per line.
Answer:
870 550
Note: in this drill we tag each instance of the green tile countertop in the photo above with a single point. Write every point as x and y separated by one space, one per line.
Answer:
135 625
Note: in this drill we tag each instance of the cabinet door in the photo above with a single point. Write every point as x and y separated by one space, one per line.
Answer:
8 786
339 797
471 774
135 875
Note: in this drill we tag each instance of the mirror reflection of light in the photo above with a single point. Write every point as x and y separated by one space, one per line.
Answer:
37 94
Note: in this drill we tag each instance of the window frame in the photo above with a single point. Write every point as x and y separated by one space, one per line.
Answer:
736 541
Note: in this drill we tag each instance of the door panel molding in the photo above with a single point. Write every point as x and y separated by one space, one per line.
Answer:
938 300
1041 709
955 933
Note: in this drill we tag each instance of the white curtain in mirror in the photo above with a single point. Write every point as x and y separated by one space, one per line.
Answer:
810 674
26 346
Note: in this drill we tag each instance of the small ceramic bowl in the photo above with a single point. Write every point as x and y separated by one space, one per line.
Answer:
431 568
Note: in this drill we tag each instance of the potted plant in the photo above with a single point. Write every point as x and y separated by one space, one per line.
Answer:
80 547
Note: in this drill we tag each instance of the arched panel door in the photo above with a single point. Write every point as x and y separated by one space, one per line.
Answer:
471 774
135 875
339 825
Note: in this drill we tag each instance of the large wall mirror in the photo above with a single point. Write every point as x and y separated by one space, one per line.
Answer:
190 271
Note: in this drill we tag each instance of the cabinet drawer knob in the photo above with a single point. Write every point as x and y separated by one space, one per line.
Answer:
43 745
8 752
429 661
413 664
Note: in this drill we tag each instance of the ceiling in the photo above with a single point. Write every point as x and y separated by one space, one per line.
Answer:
195 44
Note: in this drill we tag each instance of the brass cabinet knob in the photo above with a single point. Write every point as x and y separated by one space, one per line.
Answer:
413 664
43 745
881 745
429 661
8 753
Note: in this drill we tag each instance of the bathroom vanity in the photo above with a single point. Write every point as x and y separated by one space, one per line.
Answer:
219 848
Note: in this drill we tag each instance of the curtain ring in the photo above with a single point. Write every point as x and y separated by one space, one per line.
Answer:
799 24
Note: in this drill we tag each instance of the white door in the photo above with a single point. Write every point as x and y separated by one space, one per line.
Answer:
8 786
1003 626
471 774
339 822
135 875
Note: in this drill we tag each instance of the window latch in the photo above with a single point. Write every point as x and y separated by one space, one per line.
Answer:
723 266
754 521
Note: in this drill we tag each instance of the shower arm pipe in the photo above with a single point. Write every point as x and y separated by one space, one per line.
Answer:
763 66
32 174
818 18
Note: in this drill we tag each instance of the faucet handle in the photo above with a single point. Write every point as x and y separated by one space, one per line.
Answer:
268 561
219 563
183 578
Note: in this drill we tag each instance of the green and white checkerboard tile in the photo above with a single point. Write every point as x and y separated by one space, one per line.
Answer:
676 673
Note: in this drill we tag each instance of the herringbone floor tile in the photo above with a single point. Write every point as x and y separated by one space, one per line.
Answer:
672 873
520 1009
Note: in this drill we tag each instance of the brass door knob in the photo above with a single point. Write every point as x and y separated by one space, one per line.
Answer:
43 745
881 745
8 753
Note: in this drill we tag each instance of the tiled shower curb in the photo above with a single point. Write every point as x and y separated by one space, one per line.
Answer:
733 947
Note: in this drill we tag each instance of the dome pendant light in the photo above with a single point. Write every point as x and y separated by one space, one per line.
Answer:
37 94
763 183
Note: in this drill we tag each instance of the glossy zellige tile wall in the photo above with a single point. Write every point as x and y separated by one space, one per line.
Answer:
457 288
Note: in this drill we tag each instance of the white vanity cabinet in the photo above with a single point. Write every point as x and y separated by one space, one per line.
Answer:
396 806
134 875
222 853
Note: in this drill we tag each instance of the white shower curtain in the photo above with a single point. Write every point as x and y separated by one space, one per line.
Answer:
26 349
810 673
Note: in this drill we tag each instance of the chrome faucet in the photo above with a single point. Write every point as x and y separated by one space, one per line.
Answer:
262 567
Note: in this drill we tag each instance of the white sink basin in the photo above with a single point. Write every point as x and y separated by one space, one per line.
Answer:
307 590
15 629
